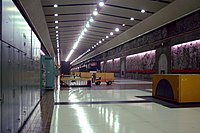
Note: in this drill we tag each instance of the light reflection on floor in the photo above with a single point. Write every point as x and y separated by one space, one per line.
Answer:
135 117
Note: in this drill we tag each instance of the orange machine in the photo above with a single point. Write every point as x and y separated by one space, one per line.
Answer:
104 77
181 88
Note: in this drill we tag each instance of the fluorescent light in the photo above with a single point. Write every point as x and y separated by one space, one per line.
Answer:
82 33
85 30
56 21
75 45
131 19
117 29
56 27
91 20
107 36
123 25
95 13
55 5
111 33
56 14
101 3
87 25
142 11
69 55
99 41
41 52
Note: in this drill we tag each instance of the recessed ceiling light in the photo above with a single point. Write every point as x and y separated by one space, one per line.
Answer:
131 19
82 33
99 41
56 31
56 21
142 11
92 47
123 25
85 30
103 39
97 44
107 36
56 27
101 3
117 29
88 25
111 33
91 20
56 34
95 13
56 14
55 5
57 38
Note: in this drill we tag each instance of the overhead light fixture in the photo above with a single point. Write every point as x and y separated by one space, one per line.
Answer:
92 47
69 55
82 33
56 27
55 5
99 41
123 25
56 34
103 39
91 20
56 21
95 13
97 44
87 25
107 36
142 11
56 14
111 33
57 38
117 29
75 45
101 4
56 31
131 19
85 30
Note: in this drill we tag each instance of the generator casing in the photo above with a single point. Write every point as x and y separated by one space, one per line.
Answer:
180 88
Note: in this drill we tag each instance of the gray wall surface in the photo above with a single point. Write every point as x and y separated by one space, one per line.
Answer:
20 69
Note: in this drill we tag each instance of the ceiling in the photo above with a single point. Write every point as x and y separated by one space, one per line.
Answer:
73 16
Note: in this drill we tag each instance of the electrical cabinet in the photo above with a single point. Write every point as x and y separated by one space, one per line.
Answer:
19 70
47 73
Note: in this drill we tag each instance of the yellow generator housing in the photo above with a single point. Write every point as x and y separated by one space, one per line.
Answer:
104 77
181 88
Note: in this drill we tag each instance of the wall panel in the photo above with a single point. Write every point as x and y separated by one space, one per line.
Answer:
20 72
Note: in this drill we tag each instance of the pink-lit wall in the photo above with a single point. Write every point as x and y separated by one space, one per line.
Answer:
186 56
141 61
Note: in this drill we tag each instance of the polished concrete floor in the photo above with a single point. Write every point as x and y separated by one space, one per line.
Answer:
124 107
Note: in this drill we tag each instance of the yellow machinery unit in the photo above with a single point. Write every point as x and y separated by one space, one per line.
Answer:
104 77
85 75
181 88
